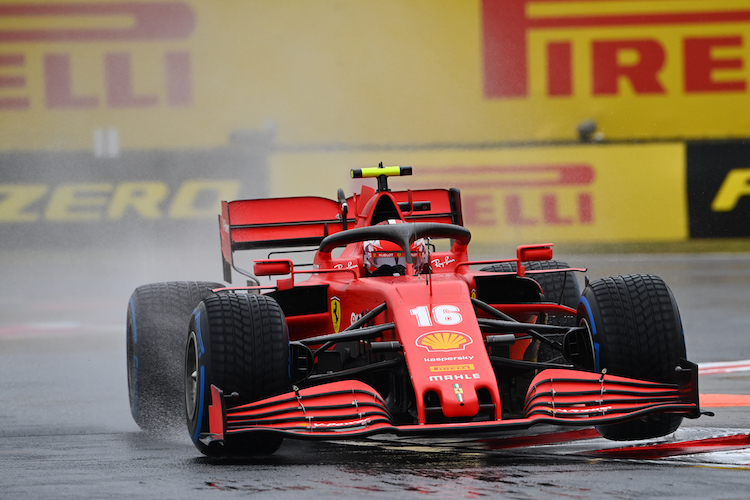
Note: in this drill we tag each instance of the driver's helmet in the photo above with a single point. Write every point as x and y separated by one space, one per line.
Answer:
385 258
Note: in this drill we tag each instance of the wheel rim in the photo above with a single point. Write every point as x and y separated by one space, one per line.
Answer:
191 377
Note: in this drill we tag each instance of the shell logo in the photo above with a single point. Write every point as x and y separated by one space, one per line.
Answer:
444 341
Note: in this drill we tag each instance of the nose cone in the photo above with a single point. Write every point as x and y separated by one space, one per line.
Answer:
459 399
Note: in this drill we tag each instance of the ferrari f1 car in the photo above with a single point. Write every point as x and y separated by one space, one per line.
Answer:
393 329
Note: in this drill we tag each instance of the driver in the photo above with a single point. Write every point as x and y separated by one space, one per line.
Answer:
385 258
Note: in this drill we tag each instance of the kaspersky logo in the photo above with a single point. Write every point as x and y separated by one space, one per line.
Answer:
444 341
703 61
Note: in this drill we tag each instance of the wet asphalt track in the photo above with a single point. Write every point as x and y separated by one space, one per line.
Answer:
66 431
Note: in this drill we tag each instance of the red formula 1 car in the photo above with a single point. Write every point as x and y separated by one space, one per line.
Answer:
393 329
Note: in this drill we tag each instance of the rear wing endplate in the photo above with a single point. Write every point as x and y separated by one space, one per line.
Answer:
276 223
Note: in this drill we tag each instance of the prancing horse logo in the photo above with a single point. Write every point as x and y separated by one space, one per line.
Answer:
336 314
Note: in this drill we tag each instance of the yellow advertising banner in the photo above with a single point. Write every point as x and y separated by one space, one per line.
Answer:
180 74
591 193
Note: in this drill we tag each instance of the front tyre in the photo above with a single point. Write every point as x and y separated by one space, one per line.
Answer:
158 316
239 343
637 333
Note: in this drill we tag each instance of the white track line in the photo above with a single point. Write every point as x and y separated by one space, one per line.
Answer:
720 367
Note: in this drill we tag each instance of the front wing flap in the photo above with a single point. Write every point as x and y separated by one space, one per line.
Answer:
556 396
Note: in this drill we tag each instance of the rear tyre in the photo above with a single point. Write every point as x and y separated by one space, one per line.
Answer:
239 343
637 332
158 316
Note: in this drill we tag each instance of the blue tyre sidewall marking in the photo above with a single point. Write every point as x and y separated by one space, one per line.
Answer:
201 351
198 332
583 300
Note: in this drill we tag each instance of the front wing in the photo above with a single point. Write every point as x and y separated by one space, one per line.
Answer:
352 409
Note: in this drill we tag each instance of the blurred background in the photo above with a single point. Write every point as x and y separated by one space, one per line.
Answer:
599 125
610 127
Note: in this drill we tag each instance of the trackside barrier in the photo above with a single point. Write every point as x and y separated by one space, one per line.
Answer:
571 193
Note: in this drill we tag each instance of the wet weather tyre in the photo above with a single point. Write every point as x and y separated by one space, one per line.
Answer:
637 332
240 344
157 324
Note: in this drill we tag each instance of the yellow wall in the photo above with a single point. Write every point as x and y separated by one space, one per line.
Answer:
615 193
353 72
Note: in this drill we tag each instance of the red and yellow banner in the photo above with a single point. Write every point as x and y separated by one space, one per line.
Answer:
183 74
592 193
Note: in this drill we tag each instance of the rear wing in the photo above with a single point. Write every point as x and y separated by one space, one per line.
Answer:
275 223
306 220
